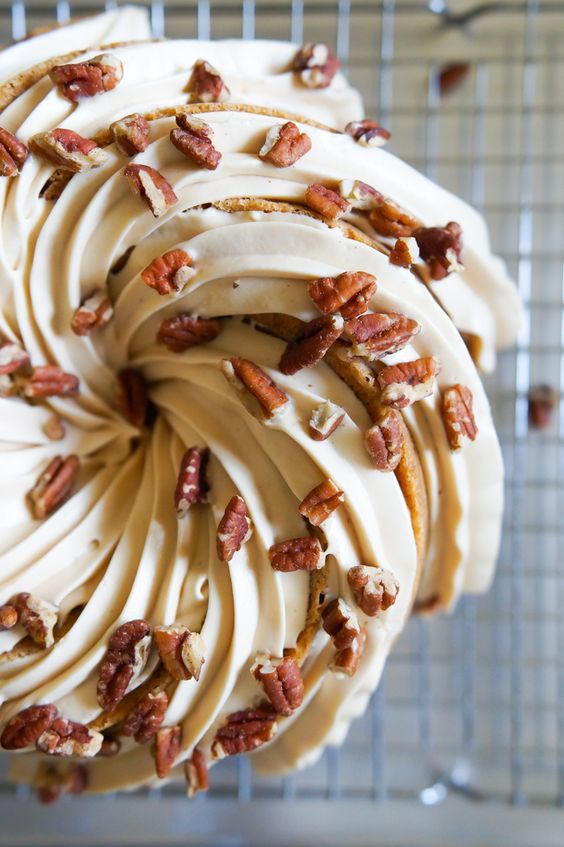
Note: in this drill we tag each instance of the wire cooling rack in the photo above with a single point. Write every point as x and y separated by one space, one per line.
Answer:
471 706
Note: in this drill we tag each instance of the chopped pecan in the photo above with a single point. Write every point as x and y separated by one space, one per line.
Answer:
180 650
76 779
405 252
311 343
321 502
68 150
324 420
167 747
131 134
196 772
441 248
132 396
123 661
13 154
316 65
14 364
86 79
367 132
244 731
206 85
8 616
169 273
50 381
68 738
451 76
38 618
50 782
407 382
193 137
284 145
458 417
192 485
282 682
378 334
93 313
327 203
54 428
184 331
340 622
296 554
234 529
110 747
146 717
375 589
24 729
347 293
152 186
359 194
390 220
542 401
54 485
346 661
55 184
244 374
384 441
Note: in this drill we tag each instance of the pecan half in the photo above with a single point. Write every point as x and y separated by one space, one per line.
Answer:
68 738
284 145
441 248
131 134
167 747
234 529
196 772
378 334
405 252
384 441
542 401
311 343
132 396
282 682
146 717
13 154
169 273
244 731
244 374
359 194
8 617
296 554
321 502
458 417
346 661
180 650
407 382
374 589
327 203
390 220
206 85
38 618
347 293
192 485
50 381
123 661
24 729
324 420
184 331
86 79
93 313
192 137
316 65
68 150
341 623
54 485
368 133
152 186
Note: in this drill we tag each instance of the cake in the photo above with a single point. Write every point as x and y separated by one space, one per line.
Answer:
242 429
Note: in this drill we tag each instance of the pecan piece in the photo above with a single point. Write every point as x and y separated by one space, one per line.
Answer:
68 738
368 133
167 748
346 661
296 554
38 618
244 374
13 154
458 417
49 782
311 343
14 364
146 717
347 293
54 485
542 401
180 650
341 623
384 441
284 145
390 220
244 731
132 396
169 273
196 772
94 312
123 661
8 616
378 334
451 76
50 381
131 134
324 420
359 194
234 529
24 729
68 150
206 85
321 502
407 382
184 331
316 65
152 186
282 682
405 252
441 248
327 203
374 589
86 79
192 485
192 137
55 184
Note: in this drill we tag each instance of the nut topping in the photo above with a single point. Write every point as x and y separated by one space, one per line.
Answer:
451 76
407 382
327 203
50 381
405 252
131 134
345 662
234 529
441 248
169 273
324 420
347 293
244 374
376 335
458 417
359 194
123 661
340 622
13 154
180 650
53 485
93 313
316 65
14 364
284 145
50 783
244 731
296 554
390 220
196 772
282 682
206 85
67 738
167 748
68 150
374 589
55 184
368 133
146 717
152 186
38 618
384 441
86 79
311 343
542 401
192 485
321 502
132 397
24 729
8 617
184 331
192 137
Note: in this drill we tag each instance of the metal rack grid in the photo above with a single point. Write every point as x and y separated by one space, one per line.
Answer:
472 704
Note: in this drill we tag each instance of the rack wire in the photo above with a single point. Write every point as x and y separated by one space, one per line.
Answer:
473 704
